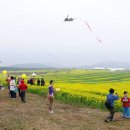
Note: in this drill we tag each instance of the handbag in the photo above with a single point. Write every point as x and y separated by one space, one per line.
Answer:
15 89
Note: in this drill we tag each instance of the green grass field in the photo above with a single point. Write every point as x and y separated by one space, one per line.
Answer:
81 87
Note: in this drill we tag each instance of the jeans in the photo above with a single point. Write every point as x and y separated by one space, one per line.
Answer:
19 92
126 112
22 94
13 94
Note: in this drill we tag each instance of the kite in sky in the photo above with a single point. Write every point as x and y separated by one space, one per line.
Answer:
67 19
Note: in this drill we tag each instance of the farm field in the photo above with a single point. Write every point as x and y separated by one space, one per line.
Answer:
34 115
79 103
81 87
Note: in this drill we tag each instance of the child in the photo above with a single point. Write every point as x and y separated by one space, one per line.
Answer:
51 96
125 103
111 98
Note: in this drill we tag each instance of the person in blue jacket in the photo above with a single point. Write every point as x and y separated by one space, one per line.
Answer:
111 97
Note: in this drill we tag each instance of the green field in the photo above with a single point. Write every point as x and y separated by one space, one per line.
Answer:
81 87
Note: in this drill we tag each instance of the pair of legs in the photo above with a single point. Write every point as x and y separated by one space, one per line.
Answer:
13 94
9 91
50 99
112 112
22 95
19 92
126 112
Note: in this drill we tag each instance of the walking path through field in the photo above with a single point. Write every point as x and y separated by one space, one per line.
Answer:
34 115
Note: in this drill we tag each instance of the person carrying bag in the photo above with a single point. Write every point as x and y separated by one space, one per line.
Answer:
12 88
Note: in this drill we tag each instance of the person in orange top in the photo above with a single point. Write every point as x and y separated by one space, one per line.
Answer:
23 87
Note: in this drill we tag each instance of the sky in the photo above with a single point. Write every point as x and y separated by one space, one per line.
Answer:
34 31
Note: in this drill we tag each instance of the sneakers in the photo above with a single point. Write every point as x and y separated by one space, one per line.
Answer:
23 101
111 120
126 117
108 120
51 112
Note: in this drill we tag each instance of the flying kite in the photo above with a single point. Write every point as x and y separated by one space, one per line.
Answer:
67 19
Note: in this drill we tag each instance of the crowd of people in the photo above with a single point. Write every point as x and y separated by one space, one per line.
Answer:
21 87
18 85
40 82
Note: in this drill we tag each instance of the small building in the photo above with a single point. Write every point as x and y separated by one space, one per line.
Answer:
98 68
116 69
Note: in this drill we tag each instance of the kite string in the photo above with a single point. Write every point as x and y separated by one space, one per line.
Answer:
92 31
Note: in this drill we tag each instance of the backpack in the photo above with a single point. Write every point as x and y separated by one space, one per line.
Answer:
108 103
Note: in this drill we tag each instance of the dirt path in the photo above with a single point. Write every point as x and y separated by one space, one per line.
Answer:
34 115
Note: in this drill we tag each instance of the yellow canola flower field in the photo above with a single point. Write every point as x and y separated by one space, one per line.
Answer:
83 87
93 95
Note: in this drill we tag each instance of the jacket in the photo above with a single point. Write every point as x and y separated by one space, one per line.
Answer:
125 101
112 98
23 86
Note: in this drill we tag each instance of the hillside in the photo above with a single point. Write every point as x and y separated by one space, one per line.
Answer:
38 65
31 65
109 64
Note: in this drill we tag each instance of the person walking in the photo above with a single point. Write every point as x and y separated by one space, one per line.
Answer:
111 97
23 87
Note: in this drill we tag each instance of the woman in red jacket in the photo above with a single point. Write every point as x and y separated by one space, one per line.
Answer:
23 87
